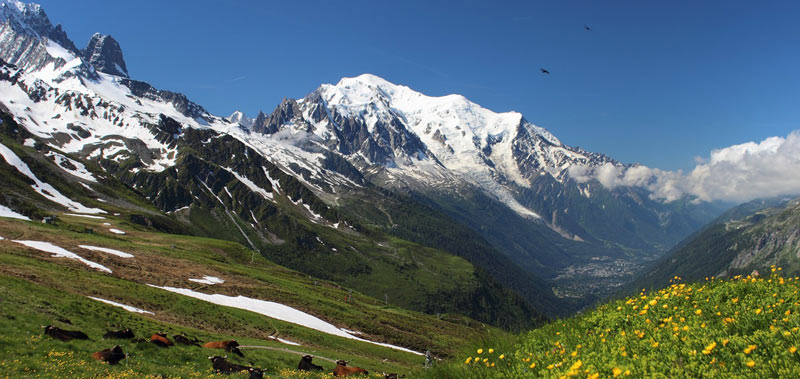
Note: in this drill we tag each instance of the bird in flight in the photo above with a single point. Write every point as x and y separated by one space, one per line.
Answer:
544 71
587 28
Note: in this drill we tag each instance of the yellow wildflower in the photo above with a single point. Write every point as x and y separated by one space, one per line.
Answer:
750 363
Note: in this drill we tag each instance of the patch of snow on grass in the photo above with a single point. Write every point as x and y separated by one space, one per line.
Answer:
116 231
59 252
107 251
123 306
44 189
208 280
281 340
8 212
277 311
86 216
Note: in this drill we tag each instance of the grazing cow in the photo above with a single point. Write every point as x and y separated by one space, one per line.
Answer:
183 340
221 365
342 369
126 334
160 339
112 355
64 335
306 365
230 346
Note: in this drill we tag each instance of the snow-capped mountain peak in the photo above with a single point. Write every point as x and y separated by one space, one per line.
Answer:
238 117
416 139
462 135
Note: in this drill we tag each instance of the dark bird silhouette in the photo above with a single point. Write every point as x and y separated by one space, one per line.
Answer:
544 71
587 28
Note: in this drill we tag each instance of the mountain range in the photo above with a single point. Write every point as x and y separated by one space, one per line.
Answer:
363 182
752 238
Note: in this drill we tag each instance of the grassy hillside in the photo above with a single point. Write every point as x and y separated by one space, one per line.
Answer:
37 289
741 327
749 237
201 197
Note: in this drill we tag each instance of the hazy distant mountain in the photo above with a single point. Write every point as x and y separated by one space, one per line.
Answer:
750 237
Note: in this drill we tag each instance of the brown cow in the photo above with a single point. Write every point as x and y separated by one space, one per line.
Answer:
230 346
64 335
160 339
112 355
342 369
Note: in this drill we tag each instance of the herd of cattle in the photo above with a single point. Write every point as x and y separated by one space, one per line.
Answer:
220 364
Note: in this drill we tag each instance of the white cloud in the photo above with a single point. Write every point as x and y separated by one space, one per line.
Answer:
735 173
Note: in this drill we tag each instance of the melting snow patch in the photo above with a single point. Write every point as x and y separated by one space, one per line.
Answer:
44 189
62 253
208 280
249 183
352 331
87 216
29 142
116 231
276 311
78 169
281 340
123 306
107 251
7 212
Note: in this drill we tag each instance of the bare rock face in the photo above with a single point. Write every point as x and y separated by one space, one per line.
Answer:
105 54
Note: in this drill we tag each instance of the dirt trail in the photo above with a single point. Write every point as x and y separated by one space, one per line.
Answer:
285 350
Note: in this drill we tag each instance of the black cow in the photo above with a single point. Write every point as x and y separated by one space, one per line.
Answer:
306 365
112 355
126 334
183 340
221 365
256 373
64 335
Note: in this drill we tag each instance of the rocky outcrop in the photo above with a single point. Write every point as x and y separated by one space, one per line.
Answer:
104 53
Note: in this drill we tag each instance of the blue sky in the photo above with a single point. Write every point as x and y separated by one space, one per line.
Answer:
654 82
